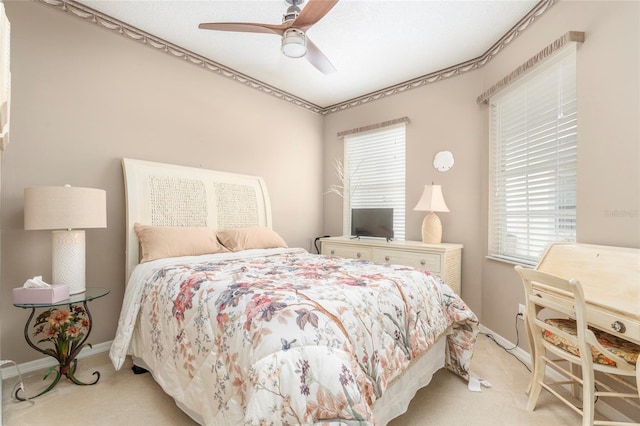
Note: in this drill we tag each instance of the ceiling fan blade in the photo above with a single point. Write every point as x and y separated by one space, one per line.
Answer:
245 27
312 13
317 58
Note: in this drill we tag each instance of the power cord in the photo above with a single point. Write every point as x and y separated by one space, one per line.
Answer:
508 350
315 242
20 383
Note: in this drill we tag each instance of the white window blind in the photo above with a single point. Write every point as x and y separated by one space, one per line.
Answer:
533 162
375 174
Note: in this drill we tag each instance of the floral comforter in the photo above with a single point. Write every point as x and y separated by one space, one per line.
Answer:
283 336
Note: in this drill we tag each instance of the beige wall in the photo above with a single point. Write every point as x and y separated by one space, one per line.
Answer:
444 115
84 97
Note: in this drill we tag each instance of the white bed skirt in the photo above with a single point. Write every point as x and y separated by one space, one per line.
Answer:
396 398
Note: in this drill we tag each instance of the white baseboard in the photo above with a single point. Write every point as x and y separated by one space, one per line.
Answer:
42 363
518 352
601 406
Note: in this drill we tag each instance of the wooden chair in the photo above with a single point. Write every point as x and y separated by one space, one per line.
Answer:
569 337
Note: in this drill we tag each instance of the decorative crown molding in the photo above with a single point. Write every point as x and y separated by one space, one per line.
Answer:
107 22
104 21
473 64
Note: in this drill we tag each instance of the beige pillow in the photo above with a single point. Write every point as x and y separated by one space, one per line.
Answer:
158 242
256 237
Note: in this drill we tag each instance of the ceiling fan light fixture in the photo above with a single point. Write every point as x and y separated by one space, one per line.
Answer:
294 43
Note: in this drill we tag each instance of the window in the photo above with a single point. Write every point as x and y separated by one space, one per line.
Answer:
532 195
375 174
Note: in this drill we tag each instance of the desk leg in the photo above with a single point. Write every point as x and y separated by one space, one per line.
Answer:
66 362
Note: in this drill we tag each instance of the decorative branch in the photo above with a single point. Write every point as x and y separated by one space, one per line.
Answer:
338 189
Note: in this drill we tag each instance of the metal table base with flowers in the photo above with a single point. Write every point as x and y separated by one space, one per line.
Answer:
67 330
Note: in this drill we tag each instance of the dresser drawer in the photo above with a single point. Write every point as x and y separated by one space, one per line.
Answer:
428 261
350 252
443 260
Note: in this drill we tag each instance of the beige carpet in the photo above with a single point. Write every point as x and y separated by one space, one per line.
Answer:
122 398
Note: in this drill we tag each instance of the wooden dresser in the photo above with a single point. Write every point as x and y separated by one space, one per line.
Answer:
444 260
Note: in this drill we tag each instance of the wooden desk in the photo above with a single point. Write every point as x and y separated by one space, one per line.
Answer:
610 278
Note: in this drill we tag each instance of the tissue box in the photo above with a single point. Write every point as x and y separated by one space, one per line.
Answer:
40 296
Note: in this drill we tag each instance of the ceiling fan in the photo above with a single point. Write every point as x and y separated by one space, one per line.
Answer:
295 23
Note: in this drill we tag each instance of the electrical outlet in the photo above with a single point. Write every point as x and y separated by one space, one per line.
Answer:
521 311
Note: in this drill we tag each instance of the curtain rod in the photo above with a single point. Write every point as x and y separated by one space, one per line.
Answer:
568 37
373 126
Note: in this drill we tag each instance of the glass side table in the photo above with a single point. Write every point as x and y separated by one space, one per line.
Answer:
67 329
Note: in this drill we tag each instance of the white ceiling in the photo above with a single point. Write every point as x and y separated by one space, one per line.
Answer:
373 44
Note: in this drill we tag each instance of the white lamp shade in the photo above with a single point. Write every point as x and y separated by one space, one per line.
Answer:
64 207
432 200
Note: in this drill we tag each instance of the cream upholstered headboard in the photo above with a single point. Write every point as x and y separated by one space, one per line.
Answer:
169 195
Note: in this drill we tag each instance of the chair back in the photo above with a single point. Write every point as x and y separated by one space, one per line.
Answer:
536 301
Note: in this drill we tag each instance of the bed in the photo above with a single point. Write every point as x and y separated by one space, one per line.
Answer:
240 329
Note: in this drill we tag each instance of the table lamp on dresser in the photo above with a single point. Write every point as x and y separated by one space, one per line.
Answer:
67 211
431 201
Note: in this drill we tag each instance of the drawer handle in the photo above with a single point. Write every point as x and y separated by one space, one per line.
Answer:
423 262
386 258
333 252
619 326
359 255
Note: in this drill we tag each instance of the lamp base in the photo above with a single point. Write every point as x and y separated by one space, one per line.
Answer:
69 259
431 229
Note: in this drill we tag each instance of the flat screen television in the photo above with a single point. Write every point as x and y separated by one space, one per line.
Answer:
372 222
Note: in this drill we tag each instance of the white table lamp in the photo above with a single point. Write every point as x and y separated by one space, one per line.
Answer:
431 201
67 211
